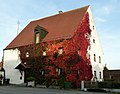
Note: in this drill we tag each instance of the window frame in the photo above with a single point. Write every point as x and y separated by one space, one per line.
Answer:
94 57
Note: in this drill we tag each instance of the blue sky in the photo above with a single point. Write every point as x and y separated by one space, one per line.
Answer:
106 15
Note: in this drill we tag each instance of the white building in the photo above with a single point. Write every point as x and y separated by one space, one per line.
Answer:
11 58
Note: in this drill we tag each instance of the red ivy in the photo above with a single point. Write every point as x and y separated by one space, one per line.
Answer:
75 66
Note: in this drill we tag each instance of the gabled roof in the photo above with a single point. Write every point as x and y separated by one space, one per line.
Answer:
59 26
22 66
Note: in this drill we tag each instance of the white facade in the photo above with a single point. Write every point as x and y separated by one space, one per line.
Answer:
11 60
96 53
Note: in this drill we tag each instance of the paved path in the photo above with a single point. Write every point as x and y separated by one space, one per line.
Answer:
28 90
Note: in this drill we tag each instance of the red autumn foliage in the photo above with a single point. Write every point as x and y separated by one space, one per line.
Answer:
73 61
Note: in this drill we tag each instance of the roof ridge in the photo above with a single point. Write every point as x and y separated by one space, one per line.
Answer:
60 13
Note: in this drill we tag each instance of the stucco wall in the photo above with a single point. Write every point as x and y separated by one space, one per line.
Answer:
11 60
95 49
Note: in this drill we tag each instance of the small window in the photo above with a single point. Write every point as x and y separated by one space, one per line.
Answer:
79 52
42 72
87 36
20 77
87 55
93 27
27 54
110 76
60 50
37 37
100 75
59 71
99 59
94 57
95 75
25 63
44 53
93 40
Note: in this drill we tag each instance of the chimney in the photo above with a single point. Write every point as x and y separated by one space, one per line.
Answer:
60 12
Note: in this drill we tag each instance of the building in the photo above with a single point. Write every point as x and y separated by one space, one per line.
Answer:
65 44
111 75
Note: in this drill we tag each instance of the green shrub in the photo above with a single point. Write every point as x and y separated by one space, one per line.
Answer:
61 81
109 84
48 81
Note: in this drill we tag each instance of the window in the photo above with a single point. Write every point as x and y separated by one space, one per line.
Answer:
37 37
20 77
39 34
44 53
87 36
100 75
93 40
27 54
89 47
59 70
25 63
110 76
42 72
87 55
93 27
60 50
94 58
79 52
99 59
95 75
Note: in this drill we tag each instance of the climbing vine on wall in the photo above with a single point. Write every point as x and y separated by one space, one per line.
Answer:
74 60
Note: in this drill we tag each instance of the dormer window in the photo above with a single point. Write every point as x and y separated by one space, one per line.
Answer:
27 54
39 34
37 37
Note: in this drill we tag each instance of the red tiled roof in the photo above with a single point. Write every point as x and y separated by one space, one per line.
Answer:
59 26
